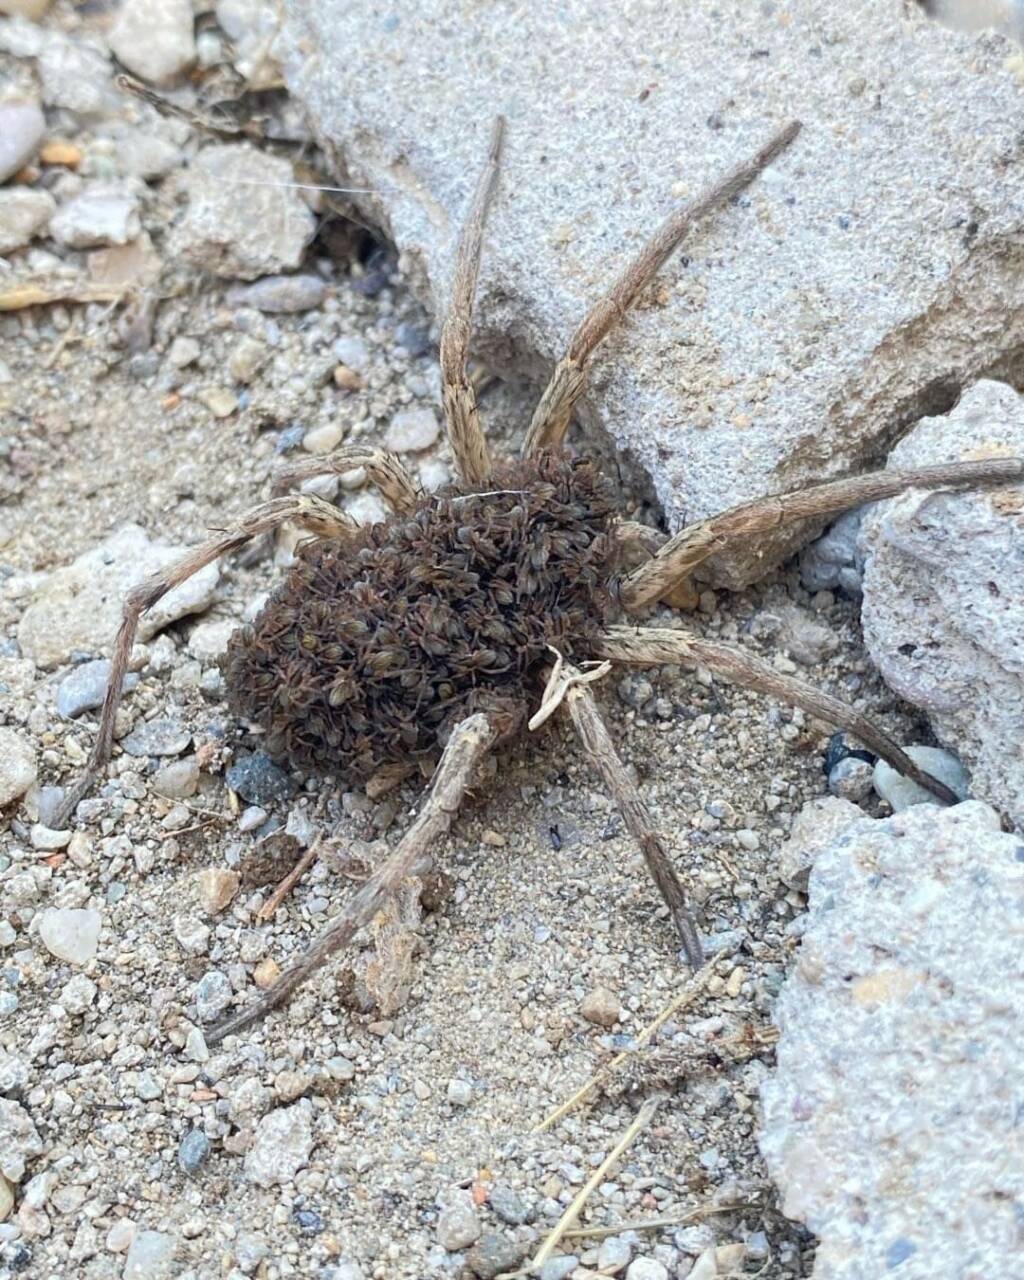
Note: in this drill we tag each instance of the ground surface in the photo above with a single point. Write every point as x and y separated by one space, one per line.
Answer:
547 900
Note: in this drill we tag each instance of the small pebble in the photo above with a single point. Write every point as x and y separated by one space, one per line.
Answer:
323 439
412 430
602 1007
150 1257
457 1223
6 1198
559 1267
78 994
121 1235
183 351
160 737
213 995
508 1205
851 779
217 886
193 1151
70 933
901 793
221 401
246 359
281 1145
258 780
178 780
46 840
22 126
17 766
493 1254
347 379
613 1255
154 38
460 1092
102 214
353 352
646 1269
85 686
266 974
24 213
280 293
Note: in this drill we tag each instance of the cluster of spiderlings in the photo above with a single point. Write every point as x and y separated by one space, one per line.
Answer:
376 644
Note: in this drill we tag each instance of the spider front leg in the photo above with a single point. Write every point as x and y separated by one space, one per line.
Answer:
553 414
465 433
385 470
675 561
321 518
600 751
469 742
657 646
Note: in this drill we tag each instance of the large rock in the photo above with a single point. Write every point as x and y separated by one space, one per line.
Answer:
944 594
79 606
870 273
892 1121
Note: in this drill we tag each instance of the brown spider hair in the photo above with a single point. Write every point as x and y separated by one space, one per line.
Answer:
379 641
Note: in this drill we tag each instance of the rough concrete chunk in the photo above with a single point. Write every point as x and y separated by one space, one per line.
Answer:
944 594
244 218
80 605
873 270
892 1121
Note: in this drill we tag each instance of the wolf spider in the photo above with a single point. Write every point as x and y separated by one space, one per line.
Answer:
433 631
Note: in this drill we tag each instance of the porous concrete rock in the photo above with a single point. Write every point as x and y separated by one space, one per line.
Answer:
79 606
868 274
944 594
892 1121
244 218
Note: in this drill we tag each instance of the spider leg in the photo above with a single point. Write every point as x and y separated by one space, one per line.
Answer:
385 470
465 433
321 518
676 560
551 418
600 751
652 646
469 742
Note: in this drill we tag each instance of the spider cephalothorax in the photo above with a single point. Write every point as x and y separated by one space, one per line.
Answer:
380 640
427 631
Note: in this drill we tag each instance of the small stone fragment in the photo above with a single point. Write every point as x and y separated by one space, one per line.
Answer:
150 1257
213 995
161 737
817 826
103 213
217 886
246 359
457 1223
23 214
221 402
281 1146
79 606
602 1007
6 1198
178 780
22 126
901 793
154 38
508 1204
244 219
78 994
280 294
460 1092
646 1269
17 766
190 934
493 1254
266 973
183 351
347 379
258 780
412 430
193 1151
70 933
851 779
19 1140
46 839
84 687
613 1255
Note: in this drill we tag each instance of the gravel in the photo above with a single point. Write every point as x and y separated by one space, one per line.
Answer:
281 1145
70 934
84 687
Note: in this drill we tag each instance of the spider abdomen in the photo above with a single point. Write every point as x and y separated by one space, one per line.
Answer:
376 644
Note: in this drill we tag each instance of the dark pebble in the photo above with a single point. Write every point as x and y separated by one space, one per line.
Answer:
309 1221
83 688
193 1151
508 1205
494 1254
838 750
259 781
163 737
